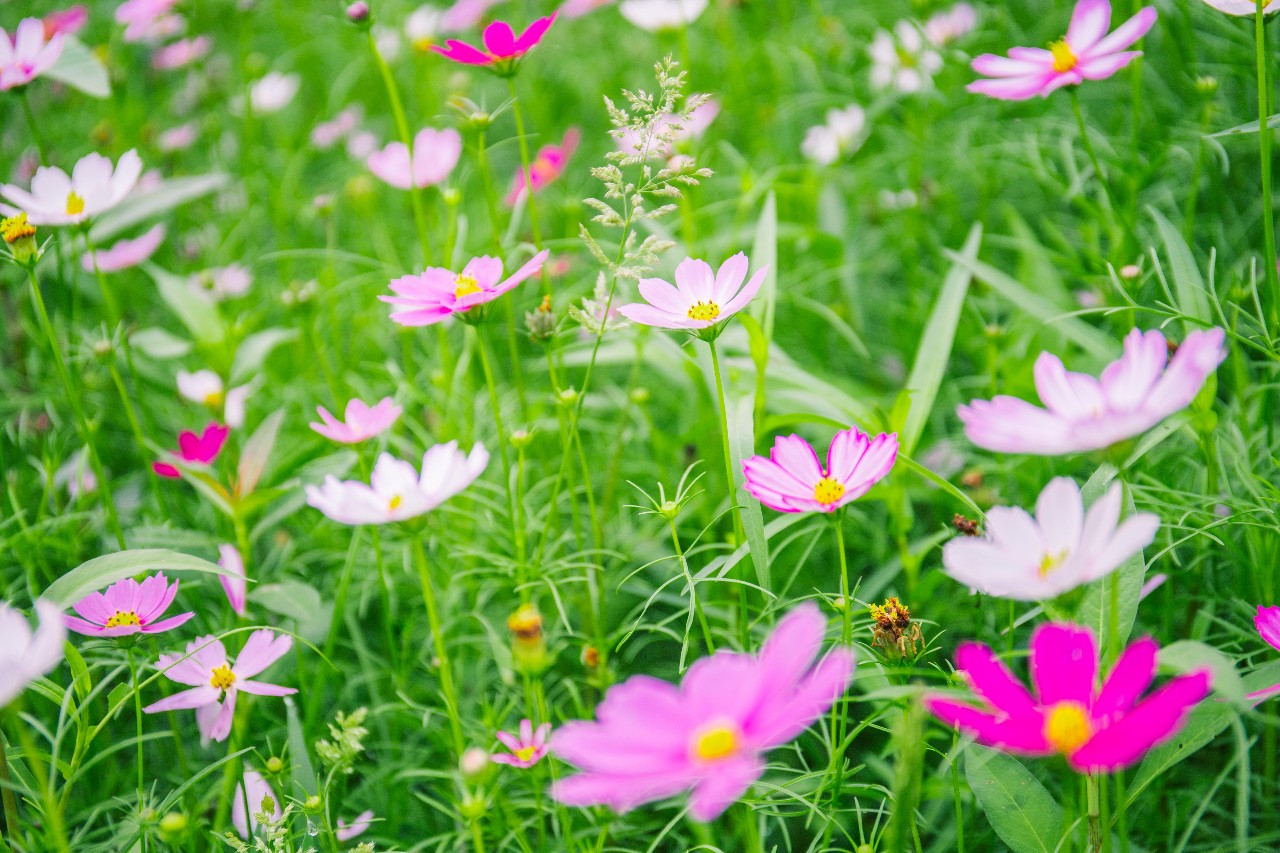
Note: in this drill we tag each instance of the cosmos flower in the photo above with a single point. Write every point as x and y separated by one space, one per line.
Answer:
205 386
422 27
839 136
527 749
1243 7
358 826
127 607
215 680
503 50
1086 53
1035 559
94 186
902 59
363 421
126 253
222 283
262 799
438 293
1081 413
465 14
177 138
658 15
65 22
701 298
28 55
181 53
25 656
148 20
730 709
236 584
76 475
273 92
547 165
435 154
950 24
1268 624
578 8
1095 728
330 133
791 479
397 491
200 449
631 142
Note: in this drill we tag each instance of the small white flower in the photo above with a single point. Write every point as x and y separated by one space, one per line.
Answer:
273 92
655 15
902 60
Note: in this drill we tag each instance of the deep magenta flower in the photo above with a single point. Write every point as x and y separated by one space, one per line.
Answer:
202 449
548 164
127 607
1096 728
1081 413
502 47
363 421
527 749
66 22
654 740
29 54
215 680
1268 624
791 479
1086 53
438 293
700 299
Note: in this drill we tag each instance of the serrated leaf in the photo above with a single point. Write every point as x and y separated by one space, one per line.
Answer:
1020 809
79 68
101 572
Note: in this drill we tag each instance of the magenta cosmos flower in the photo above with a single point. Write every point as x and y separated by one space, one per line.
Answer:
126 253
437 293
215 680
1081 413
502 47
1035 559
1086 53
1096 728
791 479
127 607
526 750
547 165
701 298
729 710
201 449
67 22
363 421
28 55
435 153
1268 624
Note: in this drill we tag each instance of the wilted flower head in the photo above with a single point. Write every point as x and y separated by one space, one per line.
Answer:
398 492
28 55
435 153
839 136
24 656
503 49
94 186
20 239
200 449
701 299
437 293
791 478
126 253
547 165
527 749
363 421
273 92
127 607
656 15
902 59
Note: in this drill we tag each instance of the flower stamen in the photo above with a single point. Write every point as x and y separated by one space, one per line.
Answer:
705 311
123 617
1067 727
828 491
465 285
222 677
715 742
1064 58
75 204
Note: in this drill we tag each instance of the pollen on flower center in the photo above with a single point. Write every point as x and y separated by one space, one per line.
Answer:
75 204
465 285
525 753
16 228
828 491
395 502
715 742
222 677
1067 727
123 617
1064 58
213 400
1049 562
704 311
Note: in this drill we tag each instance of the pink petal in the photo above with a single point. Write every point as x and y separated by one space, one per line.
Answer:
1089 24
724 787
534 33
195 698
1127 33
1153 721
992 680
1064 662
1129 679
262 649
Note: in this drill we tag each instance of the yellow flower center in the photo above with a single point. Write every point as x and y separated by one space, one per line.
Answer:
123 617
1064 58
75 204
213 399
715 742
423 45
525 753
16 228
465 285
704 311
222 678
395 502
1049 562
1067 727
828 491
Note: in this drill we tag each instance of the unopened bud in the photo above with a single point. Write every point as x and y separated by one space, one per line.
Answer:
20 235
639 396
312 804
1130 271
567 397
274 765
472 807
474 763
173 825
520 439
358 12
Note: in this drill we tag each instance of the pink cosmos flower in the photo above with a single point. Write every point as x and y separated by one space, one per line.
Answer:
729 710
255 791
1086 53
221 283
181 53
65 22
201 449
578 8
358 826
526 750
215 680
437 293
435 154
1096 728
330 133
363 421
502 48
700 298
547 165
791 479
1268 624
126 608
1060 549
29 55
146 20
126 253
94 186
950 24
465 14
236 584
24 656
396 491
178 138
205 386
1243 7
1081 413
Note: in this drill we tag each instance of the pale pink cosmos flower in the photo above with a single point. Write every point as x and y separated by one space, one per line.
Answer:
548 164
950 24
94 186
146 20
397 491
273 92
791 479
1082 413
701 298
65 22
361 144
527 749
435 154
1243 7
200 449
255 791
28 55
438 294
1268 624
358 826
236 584
222 283
839 136
330 133
1086 53
502 47
126 608
654 740
76 475
363 421
1096 728
181 53
659 15
177 138
25 656
1063 547
465 14
578 8
126 253
215 680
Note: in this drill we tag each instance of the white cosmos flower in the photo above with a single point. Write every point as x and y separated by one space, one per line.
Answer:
654 15
205 386
24 656
840 136
1242 7
902 60
94 186
273 92
398 492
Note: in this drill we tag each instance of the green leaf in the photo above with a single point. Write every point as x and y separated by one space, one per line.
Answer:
304 775
1188 283
1021 811
104 571
764 252
257 451
79 68
935 343
1191 656
741 446
253 351
160 344
300 602
1206 722
194 308
144 206
1246 128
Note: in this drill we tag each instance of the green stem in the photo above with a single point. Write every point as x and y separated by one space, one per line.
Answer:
1264 151
840 708
437 639
1094 813
730 480
6 794
693 593
524 165
35 130
137 713
517 510
1097 164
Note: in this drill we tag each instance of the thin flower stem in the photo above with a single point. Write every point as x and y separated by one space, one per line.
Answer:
731 482
35 130
113 314
693 592
1094 814
838 710
137 713
524 166
513 502
1264 151
437 639
1097 165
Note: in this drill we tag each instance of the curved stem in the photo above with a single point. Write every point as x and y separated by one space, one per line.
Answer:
437 640
514 504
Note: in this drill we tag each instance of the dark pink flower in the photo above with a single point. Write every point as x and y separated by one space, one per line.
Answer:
526 750
1268 624
502 47
66 22
548 165
203 449
127 607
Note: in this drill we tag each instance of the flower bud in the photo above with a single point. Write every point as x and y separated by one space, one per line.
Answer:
528 643
1206 85
1130 271
520 439
541 323
102 348
668 509
358 12
568 397
173 826
639 396
472 806
274 765
312 804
